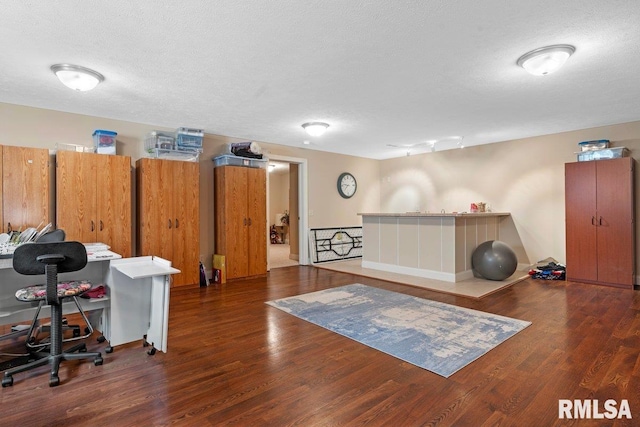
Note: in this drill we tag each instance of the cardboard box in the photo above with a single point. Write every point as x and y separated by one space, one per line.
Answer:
219 269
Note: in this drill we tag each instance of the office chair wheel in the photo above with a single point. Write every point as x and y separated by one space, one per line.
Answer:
7 381
87 331
54 380
101 339
108 349
152 351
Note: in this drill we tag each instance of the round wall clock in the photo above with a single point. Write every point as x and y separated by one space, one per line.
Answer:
347 185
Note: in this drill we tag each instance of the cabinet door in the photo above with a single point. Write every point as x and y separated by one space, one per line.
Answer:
580 210
76 195
231 219
257 225
155 208
114 203
615 247
25 187
186 222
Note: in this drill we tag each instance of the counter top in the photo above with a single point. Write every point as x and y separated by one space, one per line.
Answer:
428 214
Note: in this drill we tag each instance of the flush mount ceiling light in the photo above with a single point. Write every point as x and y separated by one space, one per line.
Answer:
76 77
315 128
546 60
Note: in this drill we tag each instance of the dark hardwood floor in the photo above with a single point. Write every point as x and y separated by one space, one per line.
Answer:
233 360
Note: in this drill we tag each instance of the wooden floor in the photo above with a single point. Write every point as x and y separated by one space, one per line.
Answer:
233 360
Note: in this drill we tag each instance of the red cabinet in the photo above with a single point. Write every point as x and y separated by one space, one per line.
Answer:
600 236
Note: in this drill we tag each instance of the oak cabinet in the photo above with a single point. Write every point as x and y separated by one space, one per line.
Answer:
168 221
93 199
26 177
241 220
599 205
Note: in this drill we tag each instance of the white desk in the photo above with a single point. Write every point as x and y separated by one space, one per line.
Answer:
13 311
139 295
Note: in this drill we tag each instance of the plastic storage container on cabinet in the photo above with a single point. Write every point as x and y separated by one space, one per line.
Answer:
189 139
231 160
609 153
599 144
105 141
163 146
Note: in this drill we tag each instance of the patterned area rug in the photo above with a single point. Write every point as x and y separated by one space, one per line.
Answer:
439 337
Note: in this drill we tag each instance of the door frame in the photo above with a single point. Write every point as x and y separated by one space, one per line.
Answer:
303 205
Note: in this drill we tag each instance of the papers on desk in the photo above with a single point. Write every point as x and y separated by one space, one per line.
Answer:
99 252
102 256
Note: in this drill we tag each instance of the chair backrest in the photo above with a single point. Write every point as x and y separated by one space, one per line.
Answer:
25 257
52 236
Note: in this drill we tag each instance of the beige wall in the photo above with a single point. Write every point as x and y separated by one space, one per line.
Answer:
278 195
524 177
33 127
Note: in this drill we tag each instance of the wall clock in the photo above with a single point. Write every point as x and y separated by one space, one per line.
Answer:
347 185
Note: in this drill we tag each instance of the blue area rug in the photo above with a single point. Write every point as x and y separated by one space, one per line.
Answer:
439 337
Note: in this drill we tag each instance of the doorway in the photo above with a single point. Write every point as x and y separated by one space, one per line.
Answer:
286 212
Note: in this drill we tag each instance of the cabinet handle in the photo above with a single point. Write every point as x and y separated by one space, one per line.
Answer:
101 225
177 223
245 221
93 226
600 221
9 230
593 220
249 221
169 222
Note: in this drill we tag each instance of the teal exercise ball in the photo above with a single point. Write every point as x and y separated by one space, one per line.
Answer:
494 260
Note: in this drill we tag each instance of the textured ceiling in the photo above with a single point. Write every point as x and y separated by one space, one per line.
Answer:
379 72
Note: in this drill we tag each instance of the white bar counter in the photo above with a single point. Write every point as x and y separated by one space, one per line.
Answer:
431 245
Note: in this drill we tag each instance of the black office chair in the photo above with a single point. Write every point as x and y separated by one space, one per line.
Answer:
20 330
35 328
50 259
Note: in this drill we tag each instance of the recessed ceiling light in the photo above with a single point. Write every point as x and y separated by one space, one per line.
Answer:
77 77
546 60
315 128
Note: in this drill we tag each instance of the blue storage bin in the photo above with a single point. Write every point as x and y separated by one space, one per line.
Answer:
189 138
105 141
599 144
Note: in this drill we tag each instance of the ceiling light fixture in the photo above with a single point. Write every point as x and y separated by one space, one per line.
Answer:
315 128
77 78
546 60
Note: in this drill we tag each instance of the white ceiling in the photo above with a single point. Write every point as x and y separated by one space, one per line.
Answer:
379 72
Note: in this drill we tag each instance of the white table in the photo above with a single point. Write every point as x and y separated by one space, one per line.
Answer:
13 311
139 294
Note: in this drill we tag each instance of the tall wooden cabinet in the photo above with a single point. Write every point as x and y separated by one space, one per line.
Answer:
241 219
93 199
26 177
168 220
600 236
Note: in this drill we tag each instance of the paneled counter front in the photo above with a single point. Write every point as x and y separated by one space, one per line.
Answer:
435 246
